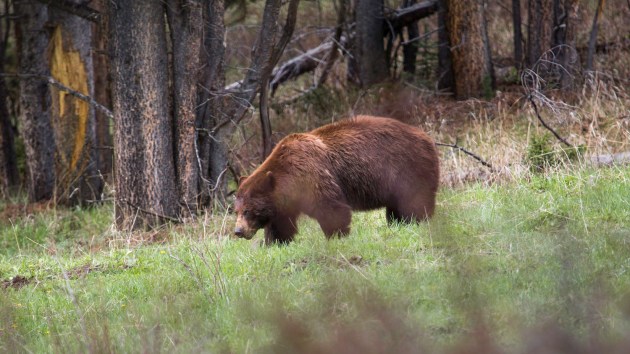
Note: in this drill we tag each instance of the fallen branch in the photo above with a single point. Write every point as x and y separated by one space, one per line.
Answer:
531 100
476 157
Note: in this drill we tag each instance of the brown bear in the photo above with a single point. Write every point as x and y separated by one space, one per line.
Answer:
362 163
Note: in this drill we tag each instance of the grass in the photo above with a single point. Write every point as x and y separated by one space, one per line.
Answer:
549 249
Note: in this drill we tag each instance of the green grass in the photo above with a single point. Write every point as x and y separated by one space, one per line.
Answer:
550 250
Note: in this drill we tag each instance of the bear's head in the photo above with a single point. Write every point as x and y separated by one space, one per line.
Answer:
254 203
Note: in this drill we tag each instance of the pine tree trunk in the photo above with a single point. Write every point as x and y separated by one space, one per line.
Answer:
186 27
102 95
446 81
34 119
518 33
539 29
144 171
369 51
73 120
8 159
410 50
471 62
211 103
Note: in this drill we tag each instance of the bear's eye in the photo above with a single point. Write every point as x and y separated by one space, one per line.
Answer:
248 214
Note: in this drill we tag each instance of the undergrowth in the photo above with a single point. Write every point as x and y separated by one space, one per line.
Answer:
545 258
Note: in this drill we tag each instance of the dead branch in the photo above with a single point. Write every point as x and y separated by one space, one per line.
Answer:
402 17
476 157
542 121
310 60
51 81
77 9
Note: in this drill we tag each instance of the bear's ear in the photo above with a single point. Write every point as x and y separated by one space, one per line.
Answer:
241 180
270 181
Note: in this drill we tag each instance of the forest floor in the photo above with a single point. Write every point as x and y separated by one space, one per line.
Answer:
531 255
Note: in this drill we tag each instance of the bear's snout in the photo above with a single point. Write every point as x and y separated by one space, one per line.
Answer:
239 231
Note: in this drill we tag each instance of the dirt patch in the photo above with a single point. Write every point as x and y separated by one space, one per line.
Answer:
18 211
15 282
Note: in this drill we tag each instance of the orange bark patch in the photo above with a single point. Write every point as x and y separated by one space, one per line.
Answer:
67 67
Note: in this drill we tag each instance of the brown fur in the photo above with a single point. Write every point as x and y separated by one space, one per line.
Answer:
362 163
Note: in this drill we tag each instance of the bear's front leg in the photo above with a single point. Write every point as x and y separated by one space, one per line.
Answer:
281 229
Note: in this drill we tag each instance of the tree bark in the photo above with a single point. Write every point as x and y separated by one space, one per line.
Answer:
8 159
565 13
592 41
213 159
73 120
446 81
186 27
518 33
34 119
369 52
410 50
146 192
102 92
539 29
470 54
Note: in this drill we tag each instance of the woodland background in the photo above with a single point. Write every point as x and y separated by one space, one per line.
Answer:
124 124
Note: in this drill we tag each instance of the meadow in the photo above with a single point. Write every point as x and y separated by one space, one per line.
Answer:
537 263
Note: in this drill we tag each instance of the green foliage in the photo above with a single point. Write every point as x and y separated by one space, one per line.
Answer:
549 250
541 154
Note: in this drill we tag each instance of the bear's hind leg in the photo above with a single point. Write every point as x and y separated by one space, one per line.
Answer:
281 230
334 220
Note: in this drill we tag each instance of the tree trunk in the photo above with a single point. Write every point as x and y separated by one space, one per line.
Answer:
518 33
102 92
470 52
369 52
8 159
213 158
186 27
446 81
410 50
565 13
35 125
73 120
144 171
539 29
592 41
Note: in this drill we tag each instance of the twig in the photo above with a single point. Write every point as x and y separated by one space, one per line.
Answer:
476 157
51 81
531 100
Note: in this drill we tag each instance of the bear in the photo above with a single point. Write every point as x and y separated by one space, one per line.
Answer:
361 163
